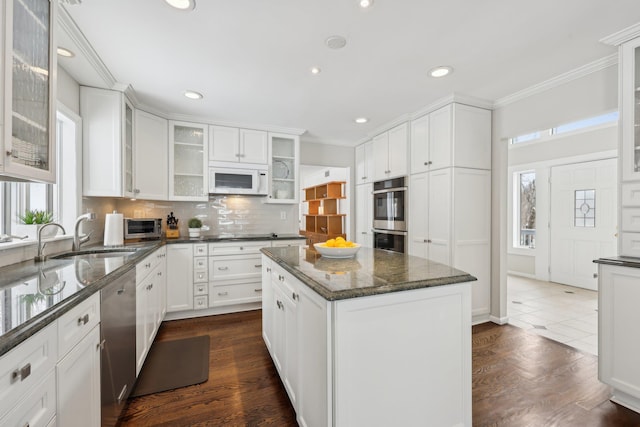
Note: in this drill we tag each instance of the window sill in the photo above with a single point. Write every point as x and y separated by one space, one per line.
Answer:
16 243
521 251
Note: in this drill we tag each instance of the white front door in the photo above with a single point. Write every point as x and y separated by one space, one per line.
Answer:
583 220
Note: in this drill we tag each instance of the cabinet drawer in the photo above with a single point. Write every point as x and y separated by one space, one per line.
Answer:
200 249
144 267
26 365
78 322
293 242
630 244
236 294
630 194
200 302
237 248
200 289
200 276
630 219
200 263
236 267
38 407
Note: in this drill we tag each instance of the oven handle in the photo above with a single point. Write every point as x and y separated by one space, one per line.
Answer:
397 233
389 190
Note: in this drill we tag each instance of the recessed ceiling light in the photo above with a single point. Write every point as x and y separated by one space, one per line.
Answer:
182 4
361 120
62 51
315 70
366 3
440 71
336 42
192 94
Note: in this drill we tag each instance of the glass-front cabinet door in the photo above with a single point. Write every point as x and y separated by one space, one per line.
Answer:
29 90
128 150
630 111
188 161
284 159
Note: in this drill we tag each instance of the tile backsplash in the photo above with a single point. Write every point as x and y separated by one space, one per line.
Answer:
220 215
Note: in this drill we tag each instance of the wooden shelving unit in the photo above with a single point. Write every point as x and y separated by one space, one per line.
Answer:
324 222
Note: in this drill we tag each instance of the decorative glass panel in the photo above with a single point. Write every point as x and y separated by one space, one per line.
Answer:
527 211
585 208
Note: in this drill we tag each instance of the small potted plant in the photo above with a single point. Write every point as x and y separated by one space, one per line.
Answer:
194 225
32 221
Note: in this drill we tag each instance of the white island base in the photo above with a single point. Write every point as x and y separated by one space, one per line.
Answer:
398 358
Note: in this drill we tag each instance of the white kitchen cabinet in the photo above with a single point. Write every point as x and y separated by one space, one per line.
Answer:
284 162
454 135
235 273
390 153
179 277
618 342
227 144
364 215
28 90
449 213
292 242
150 291
188 161
364 163
107 143
37 408
151 157
78 383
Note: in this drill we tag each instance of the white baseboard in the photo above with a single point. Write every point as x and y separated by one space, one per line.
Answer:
189 314
499 320
520 274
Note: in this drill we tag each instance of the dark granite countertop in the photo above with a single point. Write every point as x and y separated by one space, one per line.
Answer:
623 261
213 238
370 272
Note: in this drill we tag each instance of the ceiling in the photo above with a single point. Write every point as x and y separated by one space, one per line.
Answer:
251 59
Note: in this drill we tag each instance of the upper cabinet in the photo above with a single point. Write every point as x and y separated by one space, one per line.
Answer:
390 153
28 119
284 160
188 154
151 157
454 135
630 110
107 130
364 163
227 144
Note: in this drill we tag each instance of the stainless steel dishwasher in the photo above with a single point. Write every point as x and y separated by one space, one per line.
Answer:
118 338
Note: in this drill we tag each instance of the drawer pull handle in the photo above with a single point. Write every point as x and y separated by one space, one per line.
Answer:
148 265
257 290
280 278
258 265
100 345
122 393
223 268
83 320
241 248
21 374
295 296
268 269
120 291
223 294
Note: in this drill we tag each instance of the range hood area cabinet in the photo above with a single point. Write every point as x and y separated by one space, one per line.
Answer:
227 144
107 143
27 122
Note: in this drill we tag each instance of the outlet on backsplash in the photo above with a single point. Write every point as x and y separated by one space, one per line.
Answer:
283 214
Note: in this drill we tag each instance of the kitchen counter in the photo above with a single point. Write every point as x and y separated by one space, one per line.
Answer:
213 238
622 261
370 272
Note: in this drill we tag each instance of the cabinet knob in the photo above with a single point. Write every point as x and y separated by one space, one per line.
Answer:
425 241
136 190
83 320
21 374
280 278
295 296
268 269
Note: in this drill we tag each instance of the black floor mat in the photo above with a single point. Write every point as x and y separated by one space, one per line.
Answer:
174 364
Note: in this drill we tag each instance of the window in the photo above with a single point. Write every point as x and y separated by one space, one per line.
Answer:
585 208
525 210
584 124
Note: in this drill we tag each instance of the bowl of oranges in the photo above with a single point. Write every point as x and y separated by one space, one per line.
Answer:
337 248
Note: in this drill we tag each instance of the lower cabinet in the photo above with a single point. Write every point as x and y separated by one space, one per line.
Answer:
78 380
179 277
37 408
370 360
618 341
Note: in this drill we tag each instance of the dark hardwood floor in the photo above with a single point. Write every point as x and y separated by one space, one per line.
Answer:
518 380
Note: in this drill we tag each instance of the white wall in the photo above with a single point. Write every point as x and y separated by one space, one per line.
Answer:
68 91
587 96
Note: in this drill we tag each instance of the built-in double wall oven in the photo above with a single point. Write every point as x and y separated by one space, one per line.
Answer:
390 207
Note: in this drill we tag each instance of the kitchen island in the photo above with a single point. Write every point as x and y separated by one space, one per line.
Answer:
379 339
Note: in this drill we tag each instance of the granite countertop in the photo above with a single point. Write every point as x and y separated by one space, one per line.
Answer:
370 272
213 238
623 261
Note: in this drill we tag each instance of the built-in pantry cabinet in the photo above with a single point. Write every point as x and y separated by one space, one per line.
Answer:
28 89
390 151
364 163
364 215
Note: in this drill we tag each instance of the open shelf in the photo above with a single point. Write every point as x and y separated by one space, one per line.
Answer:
324 221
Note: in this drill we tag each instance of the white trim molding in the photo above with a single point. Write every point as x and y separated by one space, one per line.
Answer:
585 70
624 35
499 320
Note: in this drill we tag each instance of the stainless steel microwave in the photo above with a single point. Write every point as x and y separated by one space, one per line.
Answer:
142 228
230 180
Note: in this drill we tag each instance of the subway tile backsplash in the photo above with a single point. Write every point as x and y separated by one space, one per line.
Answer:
220 215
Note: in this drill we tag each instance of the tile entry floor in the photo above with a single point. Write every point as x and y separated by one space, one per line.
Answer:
559 312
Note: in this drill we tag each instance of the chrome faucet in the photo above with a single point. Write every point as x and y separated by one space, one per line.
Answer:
77 239
39 257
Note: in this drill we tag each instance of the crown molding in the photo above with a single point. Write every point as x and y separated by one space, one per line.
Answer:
68 25
624 35
585 70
